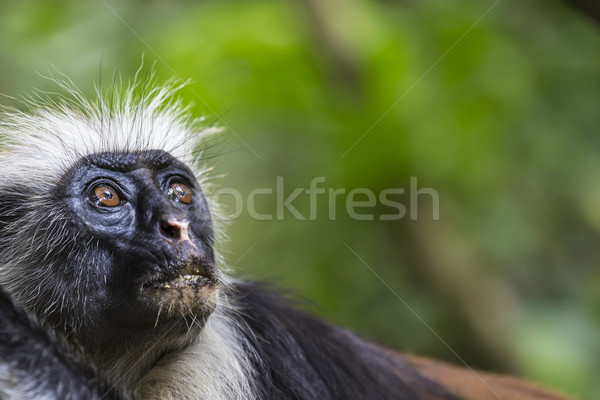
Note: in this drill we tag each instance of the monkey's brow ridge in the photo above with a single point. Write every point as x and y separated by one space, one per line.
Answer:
127 161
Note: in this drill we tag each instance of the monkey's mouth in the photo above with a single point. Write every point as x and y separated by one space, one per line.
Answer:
189 289
192 275
182 281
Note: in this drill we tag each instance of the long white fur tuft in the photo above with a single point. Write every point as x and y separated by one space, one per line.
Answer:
50 136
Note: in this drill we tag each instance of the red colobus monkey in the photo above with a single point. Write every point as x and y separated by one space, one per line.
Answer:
112 287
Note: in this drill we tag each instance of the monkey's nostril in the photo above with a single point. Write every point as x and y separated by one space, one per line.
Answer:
174 229
170 230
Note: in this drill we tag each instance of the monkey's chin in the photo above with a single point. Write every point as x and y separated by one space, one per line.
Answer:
186 295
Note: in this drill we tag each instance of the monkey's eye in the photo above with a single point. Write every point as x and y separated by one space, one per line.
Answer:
178 192
104 195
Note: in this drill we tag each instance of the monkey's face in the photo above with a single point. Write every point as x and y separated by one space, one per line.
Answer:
148 256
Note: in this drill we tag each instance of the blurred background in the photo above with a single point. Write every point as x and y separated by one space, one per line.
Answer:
494 104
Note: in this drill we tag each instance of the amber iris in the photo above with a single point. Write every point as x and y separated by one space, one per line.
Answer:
107 196
180 193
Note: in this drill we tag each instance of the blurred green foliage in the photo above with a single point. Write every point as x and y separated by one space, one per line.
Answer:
500 116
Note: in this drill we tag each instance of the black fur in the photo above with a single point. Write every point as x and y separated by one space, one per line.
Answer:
37 364
303 357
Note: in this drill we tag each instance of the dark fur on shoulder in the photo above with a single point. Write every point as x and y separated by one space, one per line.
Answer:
302 357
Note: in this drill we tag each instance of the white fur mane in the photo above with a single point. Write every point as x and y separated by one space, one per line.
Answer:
50 136
215 367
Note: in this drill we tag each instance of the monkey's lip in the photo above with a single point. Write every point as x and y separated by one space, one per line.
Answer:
182 281
189 276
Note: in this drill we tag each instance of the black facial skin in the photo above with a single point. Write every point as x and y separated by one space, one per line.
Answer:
138 249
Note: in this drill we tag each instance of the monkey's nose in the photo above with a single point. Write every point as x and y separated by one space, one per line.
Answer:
175 230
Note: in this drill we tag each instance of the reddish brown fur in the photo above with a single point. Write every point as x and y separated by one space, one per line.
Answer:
476 385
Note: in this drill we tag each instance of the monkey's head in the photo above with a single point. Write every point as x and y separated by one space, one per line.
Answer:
105 232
